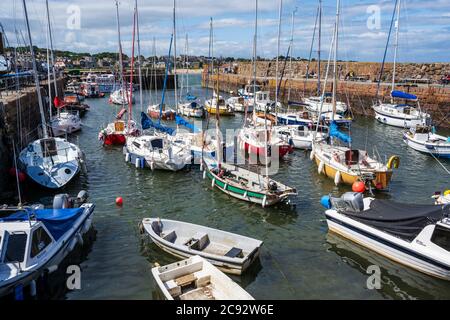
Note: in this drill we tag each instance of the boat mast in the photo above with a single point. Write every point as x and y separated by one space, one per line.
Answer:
49 85
291 45
139 57
130 96
120 53
175 56
319 44
155 78
218 140
52 57
276 67
255 40
396 46
186 59
335 73
35 74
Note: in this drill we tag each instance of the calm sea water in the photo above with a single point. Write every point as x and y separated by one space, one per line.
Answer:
299 260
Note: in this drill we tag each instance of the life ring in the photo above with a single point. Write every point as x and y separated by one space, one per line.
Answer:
393 162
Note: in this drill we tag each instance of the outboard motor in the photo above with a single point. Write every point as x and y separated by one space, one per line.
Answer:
61 201
349 201
273 186
82 197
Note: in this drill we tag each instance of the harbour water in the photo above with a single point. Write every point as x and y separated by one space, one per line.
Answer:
299 259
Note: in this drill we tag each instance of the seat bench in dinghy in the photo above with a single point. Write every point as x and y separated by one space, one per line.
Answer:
417 236
230 252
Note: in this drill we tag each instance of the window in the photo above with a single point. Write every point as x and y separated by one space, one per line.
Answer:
441 237
15 248
40 241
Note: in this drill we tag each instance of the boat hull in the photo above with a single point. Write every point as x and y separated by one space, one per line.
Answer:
261 151
166 115
369 238
397 121
383 177
114 139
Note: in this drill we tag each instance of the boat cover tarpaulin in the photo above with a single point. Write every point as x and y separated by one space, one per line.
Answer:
400 219
334 132
190 97
147 123
403 95
57 221
183 122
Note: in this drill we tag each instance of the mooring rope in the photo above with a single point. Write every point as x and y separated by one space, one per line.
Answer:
435 158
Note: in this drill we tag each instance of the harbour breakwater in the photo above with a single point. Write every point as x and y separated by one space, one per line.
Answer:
358 86
20 121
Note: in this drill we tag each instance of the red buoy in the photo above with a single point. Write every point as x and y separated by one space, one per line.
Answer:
358 186
119 201
379 186
22 176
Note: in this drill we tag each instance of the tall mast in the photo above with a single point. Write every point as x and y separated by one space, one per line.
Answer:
154 70
396 44
130 96
278 54
291 45
52 58
335 73
186 64
141 102
35 74
175 56
49 83
319 44
120 50
255 40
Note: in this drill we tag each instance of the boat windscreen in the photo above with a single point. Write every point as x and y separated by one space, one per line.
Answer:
403 220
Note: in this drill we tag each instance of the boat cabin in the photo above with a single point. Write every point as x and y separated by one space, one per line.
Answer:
22 243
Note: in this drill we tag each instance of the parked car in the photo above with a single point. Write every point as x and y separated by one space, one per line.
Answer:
445 79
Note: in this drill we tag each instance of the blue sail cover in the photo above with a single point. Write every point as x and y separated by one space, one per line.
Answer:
183 122
190 97
147 123
334 132
57 221
403 95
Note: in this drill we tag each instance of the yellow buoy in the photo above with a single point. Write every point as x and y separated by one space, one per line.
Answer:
394 161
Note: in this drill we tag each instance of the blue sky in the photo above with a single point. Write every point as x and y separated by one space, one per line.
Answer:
424 26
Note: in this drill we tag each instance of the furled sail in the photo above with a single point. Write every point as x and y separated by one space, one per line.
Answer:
403 95
183 122
147 123
334 132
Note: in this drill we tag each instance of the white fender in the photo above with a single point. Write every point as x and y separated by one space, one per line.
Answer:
152 165
204 174
72 244
264 201
311 156
245 194
213 182
225 187
87 225
137 162
33 288
321 167
127 157
337 178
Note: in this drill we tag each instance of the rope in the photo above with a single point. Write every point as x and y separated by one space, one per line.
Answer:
435 158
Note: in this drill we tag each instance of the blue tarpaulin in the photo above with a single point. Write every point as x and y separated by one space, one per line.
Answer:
334 132
190 97
147 123
403 95
183 122
57 221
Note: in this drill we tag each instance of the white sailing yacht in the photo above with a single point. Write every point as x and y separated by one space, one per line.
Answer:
50 162
401 115
63 122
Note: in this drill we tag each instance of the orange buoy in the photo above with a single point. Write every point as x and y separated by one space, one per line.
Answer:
119 201
358 186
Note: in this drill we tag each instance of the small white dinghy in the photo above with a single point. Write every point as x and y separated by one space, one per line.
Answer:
196 279
65 122
34 240
232 253
417 236
424 139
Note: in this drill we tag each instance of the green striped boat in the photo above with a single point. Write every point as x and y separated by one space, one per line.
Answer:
247 185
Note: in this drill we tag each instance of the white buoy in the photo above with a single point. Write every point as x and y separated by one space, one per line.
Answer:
321 167
337 178
152 165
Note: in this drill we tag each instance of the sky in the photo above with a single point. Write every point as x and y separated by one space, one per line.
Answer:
91 26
